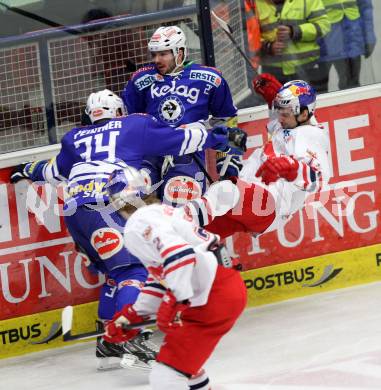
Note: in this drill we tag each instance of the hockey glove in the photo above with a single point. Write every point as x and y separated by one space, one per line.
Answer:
234 166
267 86
169 313
233 139
272 169
29 170
114 332
237 139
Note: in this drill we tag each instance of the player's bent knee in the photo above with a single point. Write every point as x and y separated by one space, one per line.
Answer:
163 377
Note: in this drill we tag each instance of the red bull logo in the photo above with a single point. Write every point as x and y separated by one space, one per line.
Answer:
298 90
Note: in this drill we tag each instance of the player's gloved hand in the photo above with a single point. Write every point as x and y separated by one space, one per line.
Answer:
267 86
233 139
31 170
169 313
282 166
20 172
114 332
233 168
237 140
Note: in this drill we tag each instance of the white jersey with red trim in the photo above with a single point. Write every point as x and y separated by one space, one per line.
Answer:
173 247
309 144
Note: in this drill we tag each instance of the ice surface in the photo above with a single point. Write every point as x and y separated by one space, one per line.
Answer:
325 341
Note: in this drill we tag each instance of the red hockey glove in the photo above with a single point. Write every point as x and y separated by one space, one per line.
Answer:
169 313
272 169
114 333
267 86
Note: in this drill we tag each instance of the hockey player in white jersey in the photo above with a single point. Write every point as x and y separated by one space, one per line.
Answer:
277 178
192 287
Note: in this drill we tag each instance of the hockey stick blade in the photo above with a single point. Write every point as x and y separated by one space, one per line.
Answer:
229 32
67 319
67 322
222 23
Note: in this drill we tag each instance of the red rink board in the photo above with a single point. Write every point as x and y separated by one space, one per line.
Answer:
342 218
39 268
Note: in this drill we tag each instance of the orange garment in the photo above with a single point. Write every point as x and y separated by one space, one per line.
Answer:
253 32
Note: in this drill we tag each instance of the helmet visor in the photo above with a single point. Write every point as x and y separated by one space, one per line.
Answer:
282 112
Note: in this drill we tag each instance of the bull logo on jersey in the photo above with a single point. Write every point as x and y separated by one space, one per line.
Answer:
107 242
171 110
181 189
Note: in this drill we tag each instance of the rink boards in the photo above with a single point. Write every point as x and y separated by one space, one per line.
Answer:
264 285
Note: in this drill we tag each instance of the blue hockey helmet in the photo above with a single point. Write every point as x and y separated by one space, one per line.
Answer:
296 95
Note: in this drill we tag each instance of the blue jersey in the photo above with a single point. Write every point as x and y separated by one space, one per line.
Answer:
189 96
89 154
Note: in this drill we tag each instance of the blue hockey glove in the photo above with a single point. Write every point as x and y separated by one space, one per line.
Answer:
30 170
237 140
233 139
26 171
220 135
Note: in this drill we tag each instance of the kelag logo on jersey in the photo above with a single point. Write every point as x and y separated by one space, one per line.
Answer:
190 94
171 110
204 75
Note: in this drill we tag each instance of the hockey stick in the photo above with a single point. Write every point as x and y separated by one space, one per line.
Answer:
200 164
67 323
225 165
229 32
38 18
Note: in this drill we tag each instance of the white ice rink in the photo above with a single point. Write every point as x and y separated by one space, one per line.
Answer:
325 341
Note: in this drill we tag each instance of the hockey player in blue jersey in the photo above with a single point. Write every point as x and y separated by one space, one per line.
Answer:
88 155
176 92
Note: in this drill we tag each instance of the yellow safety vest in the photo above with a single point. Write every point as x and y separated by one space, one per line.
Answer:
309 17
337 9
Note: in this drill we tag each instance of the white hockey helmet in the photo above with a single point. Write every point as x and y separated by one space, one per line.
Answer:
169 38
127 186
296 95
104 105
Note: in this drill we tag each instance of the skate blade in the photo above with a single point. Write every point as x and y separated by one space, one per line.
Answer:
110 363
132 361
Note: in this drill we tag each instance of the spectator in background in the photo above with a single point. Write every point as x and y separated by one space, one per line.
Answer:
253 32
351 36
290 30
116 52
